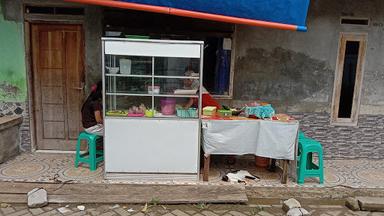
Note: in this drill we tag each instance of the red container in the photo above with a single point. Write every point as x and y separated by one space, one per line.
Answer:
168 106
261 162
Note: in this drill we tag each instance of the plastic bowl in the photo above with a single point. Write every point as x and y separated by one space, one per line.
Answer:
113 70
154 90
150 113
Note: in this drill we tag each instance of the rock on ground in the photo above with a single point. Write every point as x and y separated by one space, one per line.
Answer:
290 204
352 204
64 210
37 198
371 203
297 212
81 207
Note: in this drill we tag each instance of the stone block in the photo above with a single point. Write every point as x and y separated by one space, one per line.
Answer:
290 204
9 136
297 212
371 203
37 198
352 204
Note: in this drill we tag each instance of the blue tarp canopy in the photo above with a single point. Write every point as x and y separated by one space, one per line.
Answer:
292 12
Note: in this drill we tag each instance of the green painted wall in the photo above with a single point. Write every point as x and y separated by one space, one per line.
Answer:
13 82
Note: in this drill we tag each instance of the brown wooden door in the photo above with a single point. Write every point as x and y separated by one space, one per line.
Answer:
58 77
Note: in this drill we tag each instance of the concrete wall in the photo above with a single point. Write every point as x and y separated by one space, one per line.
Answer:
13 85
93 32
295 72
9 137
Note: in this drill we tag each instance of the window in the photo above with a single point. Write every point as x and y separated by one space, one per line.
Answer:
348 79
54 10
354 21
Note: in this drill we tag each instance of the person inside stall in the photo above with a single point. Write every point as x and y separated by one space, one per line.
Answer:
91 111
207 99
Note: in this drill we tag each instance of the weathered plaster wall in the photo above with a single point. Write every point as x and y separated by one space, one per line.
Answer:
295 70
13 86
93 32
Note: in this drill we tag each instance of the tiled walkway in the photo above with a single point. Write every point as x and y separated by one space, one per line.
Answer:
44 167
177 210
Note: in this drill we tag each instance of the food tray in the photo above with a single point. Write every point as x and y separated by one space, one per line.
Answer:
186 113
209 110
224 113
116 113
135 114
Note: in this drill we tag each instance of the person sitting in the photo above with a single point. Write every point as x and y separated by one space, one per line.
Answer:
91 111
207 99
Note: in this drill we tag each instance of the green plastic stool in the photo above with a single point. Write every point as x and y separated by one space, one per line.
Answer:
306 167
302 135
93 156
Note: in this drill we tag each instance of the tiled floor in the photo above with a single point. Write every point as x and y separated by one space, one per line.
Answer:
177 210
45 167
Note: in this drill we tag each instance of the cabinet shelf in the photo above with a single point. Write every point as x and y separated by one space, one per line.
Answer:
159 117
150 95
128 75
150 76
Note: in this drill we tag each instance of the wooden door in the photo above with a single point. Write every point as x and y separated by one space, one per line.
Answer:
58 78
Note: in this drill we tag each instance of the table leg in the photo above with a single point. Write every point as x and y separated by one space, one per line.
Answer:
284 176
207 160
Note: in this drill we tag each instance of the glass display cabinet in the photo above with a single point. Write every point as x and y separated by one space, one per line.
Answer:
152 108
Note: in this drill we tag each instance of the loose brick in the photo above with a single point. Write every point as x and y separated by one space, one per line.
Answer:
178 212
36 211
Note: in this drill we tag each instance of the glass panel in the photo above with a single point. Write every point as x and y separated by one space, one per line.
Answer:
165 66
131 90
127 85
349 78
176 86
128 65
168 107
125 106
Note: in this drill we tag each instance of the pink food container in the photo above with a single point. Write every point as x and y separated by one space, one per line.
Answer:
168 106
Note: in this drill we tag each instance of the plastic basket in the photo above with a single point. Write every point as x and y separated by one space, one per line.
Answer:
186 113
260 111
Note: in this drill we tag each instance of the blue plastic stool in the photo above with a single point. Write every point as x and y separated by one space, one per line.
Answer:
93 156
306 167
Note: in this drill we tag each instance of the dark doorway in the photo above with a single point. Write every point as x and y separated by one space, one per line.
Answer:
349 78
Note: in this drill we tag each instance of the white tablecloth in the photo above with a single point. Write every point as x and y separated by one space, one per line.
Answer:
272 139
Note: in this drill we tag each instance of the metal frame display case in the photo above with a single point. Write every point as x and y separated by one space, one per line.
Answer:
148 132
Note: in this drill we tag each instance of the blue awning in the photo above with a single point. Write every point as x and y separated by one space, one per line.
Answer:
283 14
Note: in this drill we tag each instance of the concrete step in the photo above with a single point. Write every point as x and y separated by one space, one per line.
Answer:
371 203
